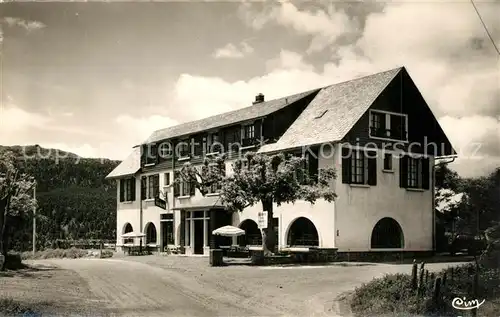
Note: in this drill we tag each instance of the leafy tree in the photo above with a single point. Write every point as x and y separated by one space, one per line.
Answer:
15 198
264 179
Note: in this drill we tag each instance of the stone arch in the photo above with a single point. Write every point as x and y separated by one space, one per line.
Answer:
151 233
387 234
127 227
252 236
302 232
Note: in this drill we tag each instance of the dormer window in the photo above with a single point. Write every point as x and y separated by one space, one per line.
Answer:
388 125
150 154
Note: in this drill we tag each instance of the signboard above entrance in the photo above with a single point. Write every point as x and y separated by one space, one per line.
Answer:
262 219
160 203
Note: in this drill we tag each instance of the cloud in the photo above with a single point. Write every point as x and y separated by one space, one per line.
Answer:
232 51
442 44
138 129
25 24
325 26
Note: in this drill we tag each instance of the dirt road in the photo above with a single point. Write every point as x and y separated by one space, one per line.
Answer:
177 286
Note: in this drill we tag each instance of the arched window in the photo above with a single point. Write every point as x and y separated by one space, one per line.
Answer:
252 236
302 232
387 234
150 233
126 229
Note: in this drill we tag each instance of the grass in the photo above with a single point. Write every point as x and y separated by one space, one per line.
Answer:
11 307
393 294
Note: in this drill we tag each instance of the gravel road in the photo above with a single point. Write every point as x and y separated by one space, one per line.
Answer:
181 286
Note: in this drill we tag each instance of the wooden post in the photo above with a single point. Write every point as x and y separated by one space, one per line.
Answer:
100 250
436 292
421 279
414 268
443 281
475 286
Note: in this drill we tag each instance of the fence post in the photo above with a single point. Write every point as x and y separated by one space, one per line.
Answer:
100 249
475 285
436 293
414 284
421 279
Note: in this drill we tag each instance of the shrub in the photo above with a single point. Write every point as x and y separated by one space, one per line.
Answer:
14 261
72 253
393 294
106 254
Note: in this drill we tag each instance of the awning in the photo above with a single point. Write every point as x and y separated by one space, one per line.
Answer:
207 202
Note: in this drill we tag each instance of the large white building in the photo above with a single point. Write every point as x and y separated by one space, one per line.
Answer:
377 131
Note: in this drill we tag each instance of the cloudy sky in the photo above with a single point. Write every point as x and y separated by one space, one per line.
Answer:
98 78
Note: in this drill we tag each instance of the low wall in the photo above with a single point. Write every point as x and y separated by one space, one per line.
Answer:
385 256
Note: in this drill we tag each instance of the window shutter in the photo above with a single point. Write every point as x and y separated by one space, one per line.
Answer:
133 189
403 171
425 173
167 179
346 166
156 185
176 185
258 129
313 166
372 170
122 190
144 187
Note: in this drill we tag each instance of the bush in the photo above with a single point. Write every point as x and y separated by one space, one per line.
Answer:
72 253
393 294
388 294
106 254
13 261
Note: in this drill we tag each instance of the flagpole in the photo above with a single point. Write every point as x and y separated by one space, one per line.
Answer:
34 221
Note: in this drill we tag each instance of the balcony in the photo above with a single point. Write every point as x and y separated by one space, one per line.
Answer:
249 142
395 134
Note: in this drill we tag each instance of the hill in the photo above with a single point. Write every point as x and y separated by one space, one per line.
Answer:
74 199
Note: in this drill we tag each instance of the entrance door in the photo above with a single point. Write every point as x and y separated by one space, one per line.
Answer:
198 236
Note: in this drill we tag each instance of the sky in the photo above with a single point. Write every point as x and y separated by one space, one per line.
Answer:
98 78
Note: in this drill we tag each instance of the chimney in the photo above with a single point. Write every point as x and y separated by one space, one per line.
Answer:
258 99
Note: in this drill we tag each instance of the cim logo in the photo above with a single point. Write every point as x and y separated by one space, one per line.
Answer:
462 304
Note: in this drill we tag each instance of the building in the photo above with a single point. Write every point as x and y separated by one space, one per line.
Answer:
377 131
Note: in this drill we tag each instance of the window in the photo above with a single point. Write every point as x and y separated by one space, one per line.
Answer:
414 172
377 124
213 144
127 189
150 153
183 148
249 131
388 162
215 188
388 125
153 186
359 166
165 150
183 188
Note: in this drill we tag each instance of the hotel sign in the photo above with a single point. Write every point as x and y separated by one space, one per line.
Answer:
262 219
160 203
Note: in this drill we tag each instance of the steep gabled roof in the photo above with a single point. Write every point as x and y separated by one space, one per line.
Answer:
129 166
333 112
228 118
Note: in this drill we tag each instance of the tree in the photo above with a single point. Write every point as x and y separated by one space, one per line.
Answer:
264 179
15 198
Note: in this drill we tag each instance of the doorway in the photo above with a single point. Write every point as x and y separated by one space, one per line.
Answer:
198 236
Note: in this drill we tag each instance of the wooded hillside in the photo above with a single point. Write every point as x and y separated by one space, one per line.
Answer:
74 199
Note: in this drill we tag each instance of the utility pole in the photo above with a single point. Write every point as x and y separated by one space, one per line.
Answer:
34 221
